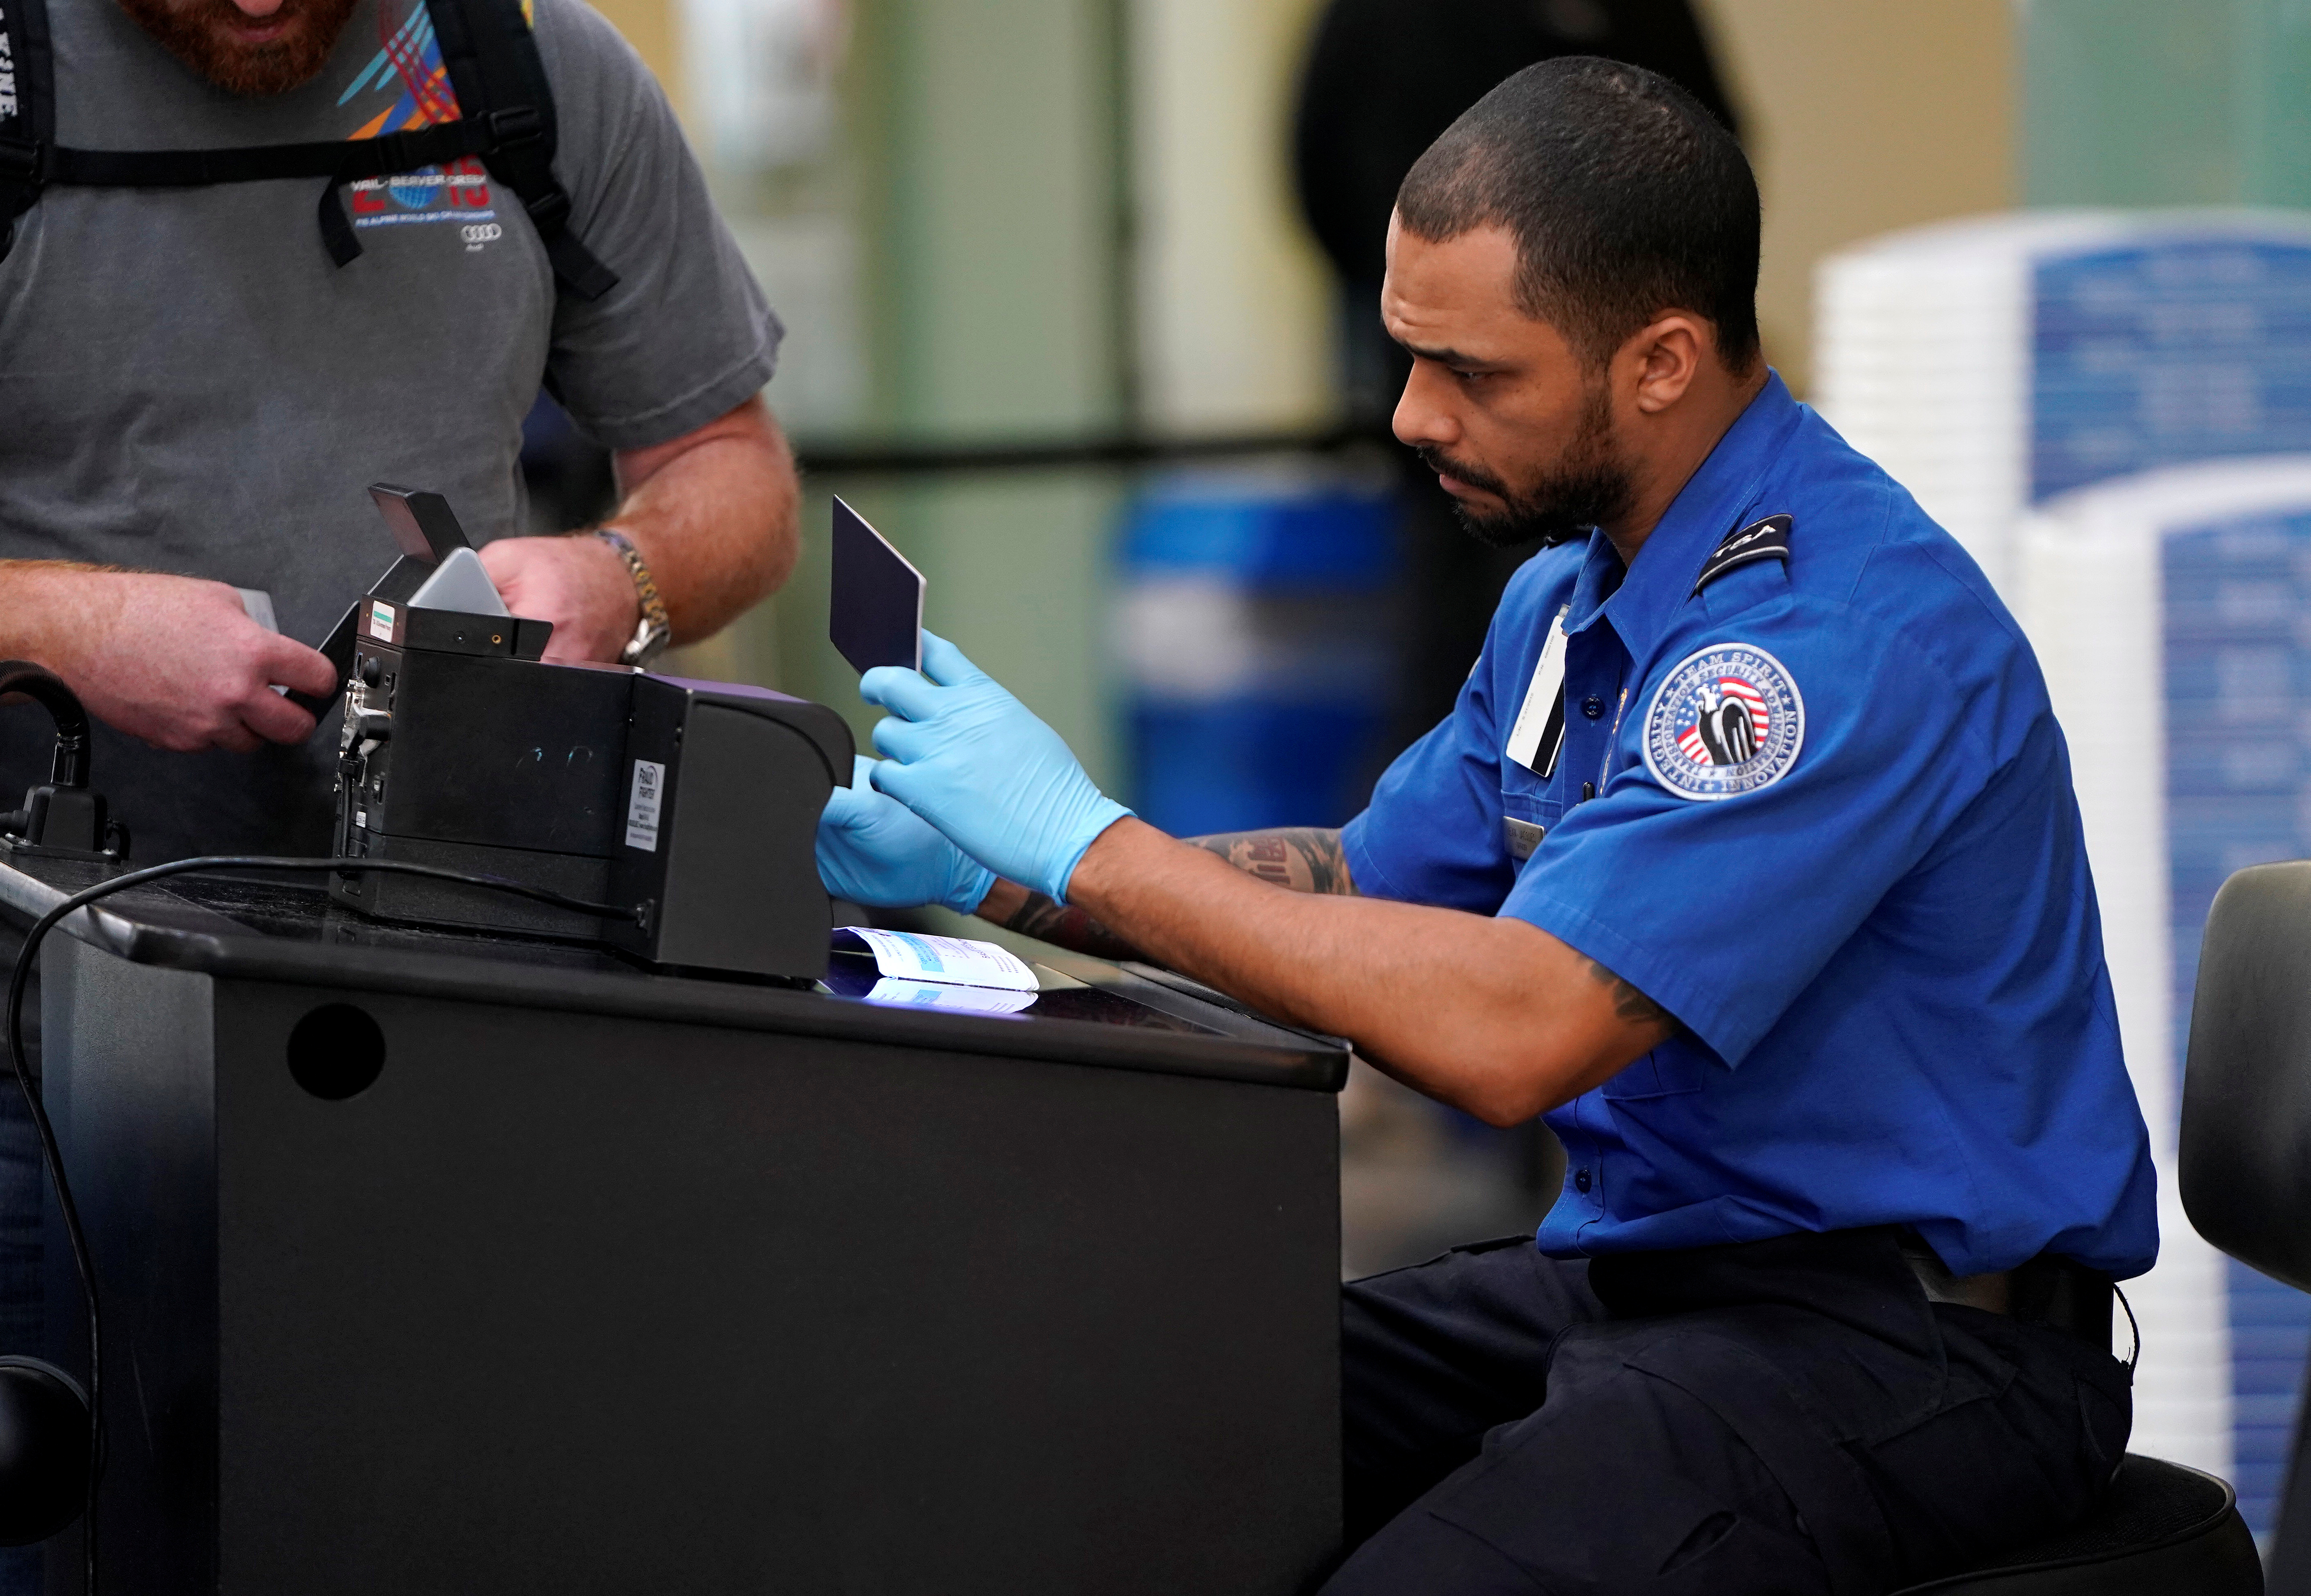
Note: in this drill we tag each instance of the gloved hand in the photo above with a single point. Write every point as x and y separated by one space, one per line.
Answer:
875 851
970 759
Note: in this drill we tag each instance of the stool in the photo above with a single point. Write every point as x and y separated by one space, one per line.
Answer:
2246 1120
2162 1531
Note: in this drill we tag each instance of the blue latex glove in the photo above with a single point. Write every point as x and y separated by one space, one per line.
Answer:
970 759
875 851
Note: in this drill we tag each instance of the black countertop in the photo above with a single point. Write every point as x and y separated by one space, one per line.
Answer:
1092 1013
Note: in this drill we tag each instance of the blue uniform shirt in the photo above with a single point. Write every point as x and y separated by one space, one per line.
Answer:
1833 834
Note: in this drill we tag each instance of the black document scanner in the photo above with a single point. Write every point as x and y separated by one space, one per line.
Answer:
697 802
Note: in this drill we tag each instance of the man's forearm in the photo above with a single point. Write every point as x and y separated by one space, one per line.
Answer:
46 604
1300 859
1035 914
1303 858
174 660
1490 1014
714 516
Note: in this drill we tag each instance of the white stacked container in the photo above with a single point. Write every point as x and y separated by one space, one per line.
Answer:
2112 412
1992 363
2172 613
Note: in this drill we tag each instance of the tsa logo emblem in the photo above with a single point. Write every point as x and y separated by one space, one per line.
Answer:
1727 721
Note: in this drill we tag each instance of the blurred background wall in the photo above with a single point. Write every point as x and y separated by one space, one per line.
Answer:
1039 223
1864 118
2130 102
1060 324
1031 222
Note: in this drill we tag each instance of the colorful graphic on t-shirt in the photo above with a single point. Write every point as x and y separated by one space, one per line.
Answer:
408 67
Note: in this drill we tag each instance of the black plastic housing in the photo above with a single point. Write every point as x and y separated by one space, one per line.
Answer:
700 799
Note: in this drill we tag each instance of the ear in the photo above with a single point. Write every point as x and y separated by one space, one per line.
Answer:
1667 356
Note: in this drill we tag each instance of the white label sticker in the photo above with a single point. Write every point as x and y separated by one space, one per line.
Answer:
641 806
381 621
1541 717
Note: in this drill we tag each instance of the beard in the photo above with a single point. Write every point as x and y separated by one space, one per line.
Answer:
200 34
1588 487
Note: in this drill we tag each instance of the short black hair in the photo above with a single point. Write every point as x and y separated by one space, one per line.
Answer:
1625 197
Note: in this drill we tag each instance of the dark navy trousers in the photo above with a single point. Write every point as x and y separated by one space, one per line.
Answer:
1775 1418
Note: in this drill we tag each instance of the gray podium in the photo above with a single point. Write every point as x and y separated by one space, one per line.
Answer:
621 1283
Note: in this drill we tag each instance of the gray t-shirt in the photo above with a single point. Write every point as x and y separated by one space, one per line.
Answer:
189 384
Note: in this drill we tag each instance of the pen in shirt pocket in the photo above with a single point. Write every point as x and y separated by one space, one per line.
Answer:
1605 764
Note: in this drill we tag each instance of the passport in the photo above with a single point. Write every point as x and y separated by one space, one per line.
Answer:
875 608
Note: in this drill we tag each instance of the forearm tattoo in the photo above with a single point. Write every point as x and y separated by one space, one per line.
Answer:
1630 1004
1300 859
1063 924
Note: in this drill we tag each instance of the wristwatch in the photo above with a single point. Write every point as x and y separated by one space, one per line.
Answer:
654 632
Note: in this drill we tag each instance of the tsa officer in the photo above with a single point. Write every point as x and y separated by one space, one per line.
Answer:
1748 858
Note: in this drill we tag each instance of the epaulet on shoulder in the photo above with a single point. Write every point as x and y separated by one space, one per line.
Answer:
1768 539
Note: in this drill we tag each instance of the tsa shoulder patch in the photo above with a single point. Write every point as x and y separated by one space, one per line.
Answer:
1727 721
1768 539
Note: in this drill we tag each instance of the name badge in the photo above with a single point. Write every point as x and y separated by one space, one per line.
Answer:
1540 729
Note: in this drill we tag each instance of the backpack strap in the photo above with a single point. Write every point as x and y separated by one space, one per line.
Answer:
491 53
344 160
28 110
340 161
506 119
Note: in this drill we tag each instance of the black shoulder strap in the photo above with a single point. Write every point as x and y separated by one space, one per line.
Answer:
506 118
28 110
1768 539
491 56
340 161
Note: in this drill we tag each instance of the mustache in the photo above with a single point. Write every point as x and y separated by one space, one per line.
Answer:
1475 476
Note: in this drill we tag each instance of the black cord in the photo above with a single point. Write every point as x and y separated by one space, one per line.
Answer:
2133 1353
53 1160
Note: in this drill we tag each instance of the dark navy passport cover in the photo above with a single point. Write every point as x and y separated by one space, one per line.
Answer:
875 610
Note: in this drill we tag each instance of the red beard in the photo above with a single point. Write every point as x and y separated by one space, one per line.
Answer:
213 36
